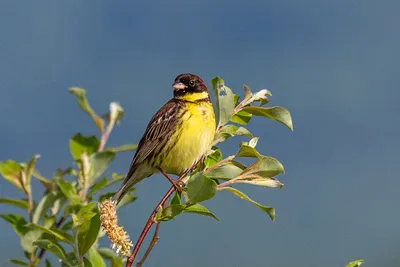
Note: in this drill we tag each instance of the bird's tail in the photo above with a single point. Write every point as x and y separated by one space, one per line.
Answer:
129 181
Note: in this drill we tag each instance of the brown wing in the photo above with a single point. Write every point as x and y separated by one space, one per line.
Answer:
159 130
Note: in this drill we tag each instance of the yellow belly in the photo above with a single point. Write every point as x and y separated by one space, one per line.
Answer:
192 140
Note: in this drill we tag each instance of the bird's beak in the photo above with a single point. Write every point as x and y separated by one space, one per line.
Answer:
179 86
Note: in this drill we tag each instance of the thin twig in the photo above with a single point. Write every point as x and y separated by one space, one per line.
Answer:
105 135
153 242
151 221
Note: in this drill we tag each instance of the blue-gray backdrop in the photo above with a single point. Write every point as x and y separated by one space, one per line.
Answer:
333 64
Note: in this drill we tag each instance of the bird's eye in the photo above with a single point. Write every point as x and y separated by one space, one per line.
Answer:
192 82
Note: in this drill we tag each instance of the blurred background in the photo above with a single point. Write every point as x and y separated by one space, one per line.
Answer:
333 64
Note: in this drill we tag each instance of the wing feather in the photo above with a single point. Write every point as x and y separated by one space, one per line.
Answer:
159 130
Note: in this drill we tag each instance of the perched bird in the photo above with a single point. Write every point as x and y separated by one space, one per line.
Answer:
177 136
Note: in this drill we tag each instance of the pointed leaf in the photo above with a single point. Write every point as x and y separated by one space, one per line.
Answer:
248 151
98 186
52 247
225 172
68 190
44 205
266 182
200 188
230 130
356 263
99 163
61 236
26 179
85 214
86 262
83 103
279 114
19 262
213 158
11 171
88 234
23 204
110 255
200 209
268 209
17 222
28 240
176 199
265 167
96 259
80 143
123 148
170 212
224 99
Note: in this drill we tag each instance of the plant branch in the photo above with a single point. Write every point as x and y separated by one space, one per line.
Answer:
106 135
153 242
151 221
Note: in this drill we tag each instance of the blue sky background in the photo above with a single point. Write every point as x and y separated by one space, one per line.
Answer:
333 64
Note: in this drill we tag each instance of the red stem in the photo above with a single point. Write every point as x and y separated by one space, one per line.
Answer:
151 221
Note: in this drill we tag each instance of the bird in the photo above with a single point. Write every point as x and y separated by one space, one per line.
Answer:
178 135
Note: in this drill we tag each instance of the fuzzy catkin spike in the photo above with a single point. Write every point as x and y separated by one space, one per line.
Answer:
109 223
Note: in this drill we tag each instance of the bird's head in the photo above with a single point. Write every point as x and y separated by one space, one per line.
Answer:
189 87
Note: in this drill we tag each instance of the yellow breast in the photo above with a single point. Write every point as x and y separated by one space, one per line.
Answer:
192 139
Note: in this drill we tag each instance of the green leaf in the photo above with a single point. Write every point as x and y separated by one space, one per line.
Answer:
224 100
11 171
268 209
79 144
263 168
99 162
59 235
200 188
48 264
98 186
68 190
110 255
241 117
248 151
88 235
96 259
17 222
19 262
279 114
176 199
52 247
85 214
355 263
26 179
266 182
213 158
46 182
170 212
44 205
230 130
225 172
123 148
199 209
23 204
83 103
28 240
86 262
